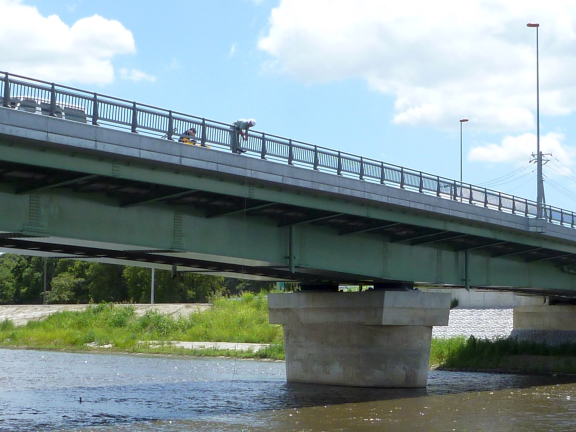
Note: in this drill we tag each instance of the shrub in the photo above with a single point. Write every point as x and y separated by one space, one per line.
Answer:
6 325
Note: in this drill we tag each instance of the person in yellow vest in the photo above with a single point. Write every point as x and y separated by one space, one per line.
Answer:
188 137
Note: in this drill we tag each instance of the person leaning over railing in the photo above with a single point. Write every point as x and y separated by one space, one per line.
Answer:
240 128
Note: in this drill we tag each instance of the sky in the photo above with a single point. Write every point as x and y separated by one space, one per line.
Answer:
383 79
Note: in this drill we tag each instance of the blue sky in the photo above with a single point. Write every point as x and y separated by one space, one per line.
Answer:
382 79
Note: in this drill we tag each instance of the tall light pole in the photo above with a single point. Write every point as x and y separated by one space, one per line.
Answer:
539 177
461 121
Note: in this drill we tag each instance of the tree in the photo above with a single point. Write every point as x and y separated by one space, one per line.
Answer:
63 288
28 273
7 263
105 283
185 288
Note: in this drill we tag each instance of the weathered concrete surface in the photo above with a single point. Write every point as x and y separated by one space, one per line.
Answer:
481 299
367 339
547 324
545 317
21 314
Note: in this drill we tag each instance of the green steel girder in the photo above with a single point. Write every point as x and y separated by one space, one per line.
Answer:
238 238
258 242
247 188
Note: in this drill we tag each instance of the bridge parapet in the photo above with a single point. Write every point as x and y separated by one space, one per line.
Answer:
54 100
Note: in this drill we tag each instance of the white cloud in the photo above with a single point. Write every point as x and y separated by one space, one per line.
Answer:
519 150
46 48
136 75
442 60
232 49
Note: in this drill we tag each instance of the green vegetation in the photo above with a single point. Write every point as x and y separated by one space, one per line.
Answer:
239 319
244 318
502 355
74 281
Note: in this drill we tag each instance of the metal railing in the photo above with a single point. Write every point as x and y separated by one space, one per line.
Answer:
79 105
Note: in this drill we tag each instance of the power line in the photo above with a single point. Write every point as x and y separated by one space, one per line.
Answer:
563 166
563 190
505 176
523 184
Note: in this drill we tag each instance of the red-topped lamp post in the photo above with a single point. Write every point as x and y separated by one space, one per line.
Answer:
540 179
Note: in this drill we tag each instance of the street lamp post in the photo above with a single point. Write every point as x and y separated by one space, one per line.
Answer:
539 177
461 121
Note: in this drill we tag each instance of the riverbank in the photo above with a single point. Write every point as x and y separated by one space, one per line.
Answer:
121 328
21 314
239 327
505 355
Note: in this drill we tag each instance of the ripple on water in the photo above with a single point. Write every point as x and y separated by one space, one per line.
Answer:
141 393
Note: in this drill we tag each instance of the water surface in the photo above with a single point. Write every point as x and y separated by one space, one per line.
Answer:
42 391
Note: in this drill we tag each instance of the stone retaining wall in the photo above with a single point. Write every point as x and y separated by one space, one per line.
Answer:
21 314
480 323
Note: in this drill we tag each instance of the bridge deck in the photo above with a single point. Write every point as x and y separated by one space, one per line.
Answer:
41 154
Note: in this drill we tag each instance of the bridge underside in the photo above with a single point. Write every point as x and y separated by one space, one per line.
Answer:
71 202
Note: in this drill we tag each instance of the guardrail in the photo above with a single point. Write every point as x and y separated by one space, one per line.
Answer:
78 105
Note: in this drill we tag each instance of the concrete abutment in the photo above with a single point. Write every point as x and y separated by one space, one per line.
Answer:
362 339
549 324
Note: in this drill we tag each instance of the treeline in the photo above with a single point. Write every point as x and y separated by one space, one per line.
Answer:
74 281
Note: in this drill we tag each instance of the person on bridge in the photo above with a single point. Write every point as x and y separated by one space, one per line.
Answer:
188 137
240 128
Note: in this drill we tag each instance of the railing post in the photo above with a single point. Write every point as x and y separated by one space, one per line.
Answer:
203 139
525 208
455 191
485 197
134 118
561 217
290 152
401 177
53 101
550 209
361 168
471 198
382 173
170 125
95 110
316 158
421 188
571 219
263 153
499 201
6 101
339 171
438 191
513 204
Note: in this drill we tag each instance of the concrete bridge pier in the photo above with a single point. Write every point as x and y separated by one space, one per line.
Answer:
362 339
551 324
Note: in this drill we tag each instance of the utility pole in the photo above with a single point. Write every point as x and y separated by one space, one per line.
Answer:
152 288
45 278
539 177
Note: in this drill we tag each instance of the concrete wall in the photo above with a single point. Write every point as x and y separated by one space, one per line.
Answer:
476 299
21 314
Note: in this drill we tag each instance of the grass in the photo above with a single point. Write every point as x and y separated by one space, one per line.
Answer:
481 354
241 319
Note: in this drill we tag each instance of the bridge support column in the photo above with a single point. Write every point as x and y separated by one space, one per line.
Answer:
552 325
366 339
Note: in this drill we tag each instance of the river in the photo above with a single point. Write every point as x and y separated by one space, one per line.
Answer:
41 391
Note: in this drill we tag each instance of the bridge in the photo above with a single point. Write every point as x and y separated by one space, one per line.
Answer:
90 176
